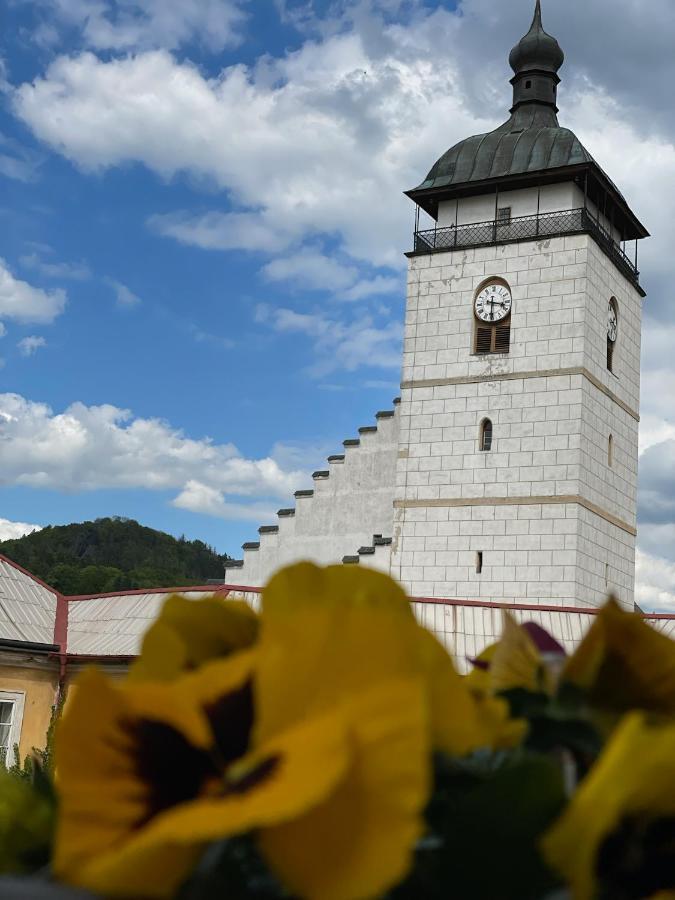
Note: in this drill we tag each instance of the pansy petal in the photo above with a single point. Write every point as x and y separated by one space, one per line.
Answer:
359 841
461 721
327 633
623 663
284 779
634 776
205 629
517 663
124 753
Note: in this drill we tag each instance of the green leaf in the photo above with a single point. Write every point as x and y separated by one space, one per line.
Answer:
486 824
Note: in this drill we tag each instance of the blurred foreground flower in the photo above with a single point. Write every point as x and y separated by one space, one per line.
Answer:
189 633
319 737
624 664
617 837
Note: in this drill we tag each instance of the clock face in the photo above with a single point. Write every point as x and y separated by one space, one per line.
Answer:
612 322
493 303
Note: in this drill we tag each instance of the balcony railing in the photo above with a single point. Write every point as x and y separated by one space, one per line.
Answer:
546 225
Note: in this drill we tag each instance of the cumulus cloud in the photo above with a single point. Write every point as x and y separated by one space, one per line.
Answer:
338 345
28 346
222 231
24 303
10 531
202 498
655 588
92 447
132 24
125 296
59 270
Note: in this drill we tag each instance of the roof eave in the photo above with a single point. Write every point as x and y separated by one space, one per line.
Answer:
429 198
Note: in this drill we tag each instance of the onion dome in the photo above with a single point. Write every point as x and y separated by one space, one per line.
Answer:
537 51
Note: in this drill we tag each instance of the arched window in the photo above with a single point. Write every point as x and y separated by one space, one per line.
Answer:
612 331
485 437
610 451
492 311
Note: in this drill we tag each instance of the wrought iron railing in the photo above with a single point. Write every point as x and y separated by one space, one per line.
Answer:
545 225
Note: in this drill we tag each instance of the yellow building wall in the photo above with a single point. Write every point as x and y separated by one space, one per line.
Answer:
39 686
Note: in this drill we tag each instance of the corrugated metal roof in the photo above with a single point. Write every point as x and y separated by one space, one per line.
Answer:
27 607
114 625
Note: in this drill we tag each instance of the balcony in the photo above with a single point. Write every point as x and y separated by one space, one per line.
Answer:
546 225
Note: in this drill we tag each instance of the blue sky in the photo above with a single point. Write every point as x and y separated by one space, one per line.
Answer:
202 231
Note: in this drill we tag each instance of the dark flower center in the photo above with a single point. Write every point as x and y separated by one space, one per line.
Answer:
175 772
638 859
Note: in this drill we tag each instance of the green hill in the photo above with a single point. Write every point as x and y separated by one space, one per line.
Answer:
111 555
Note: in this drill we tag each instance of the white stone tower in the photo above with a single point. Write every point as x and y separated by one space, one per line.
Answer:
518 443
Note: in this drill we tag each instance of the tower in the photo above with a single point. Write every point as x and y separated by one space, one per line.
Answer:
517 464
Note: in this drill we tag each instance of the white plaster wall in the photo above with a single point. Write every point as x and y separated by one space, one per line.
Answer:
524 202
550 430
347 509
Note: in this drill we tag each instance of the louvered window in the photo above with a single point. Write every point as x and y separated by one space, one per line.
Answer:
493 338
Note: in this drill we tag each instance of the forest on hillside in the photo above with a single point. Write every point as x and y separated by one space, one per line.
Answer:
113 554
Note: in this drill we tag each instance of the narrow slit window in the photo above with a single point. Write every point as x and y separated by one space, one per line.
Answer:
612 332
528 84
610 451
486 436
479 562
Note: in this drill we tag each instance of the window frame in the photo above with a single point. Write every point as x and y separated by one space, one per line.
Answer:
483 428
18 701
610 451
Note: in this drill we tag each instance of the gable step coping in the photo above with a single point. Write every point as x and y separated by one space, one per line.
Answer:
234 564
397 401
286 513
268 529
303 494
350 560
251 545
379 541
322 473
351 442
368 429
336 458
366 551
386 414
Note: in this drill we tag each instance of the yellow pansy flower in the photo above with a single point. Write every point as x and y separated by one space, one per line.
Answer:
188 633
319 739
526 656
624 664
618 833
327 635
148 774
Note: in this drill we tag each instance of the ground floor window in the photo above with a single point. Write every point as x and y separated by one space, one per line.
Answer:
11 718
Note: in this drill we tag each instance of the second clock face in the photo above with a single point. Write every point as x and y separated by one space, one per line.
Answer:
493 303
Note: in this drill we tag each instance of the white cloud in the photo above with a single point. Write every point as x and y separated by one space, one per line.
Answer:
655 583
337 344
10 531
201 498
3 330
125 296
311 270
131 24
24 303
92 447
28 346
60 270
222 231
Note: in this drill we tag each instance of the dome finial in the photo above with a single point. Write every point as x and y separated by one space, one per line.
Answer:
537 50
